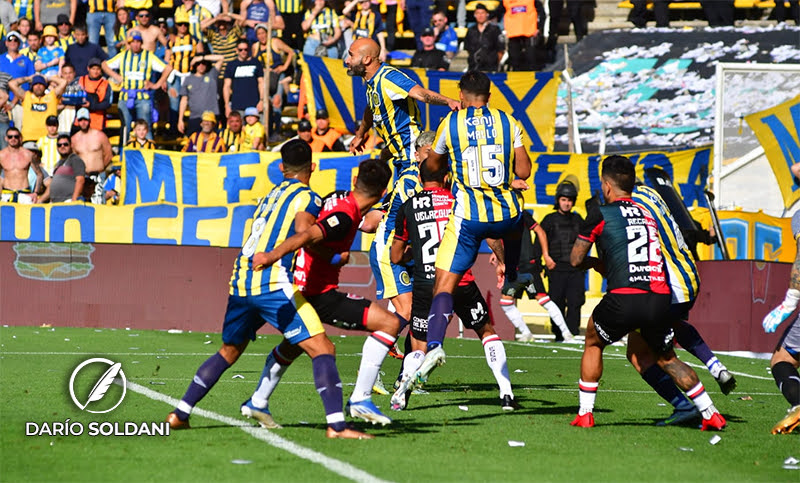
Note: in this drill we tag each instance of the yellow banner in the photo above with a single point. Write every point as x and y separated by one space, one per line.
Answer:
778 131
687 169
529 97
749 236
220 179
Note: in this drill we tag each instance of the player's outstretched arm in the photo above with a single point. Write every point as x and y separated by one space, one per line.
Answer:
261 260
789 304
429 97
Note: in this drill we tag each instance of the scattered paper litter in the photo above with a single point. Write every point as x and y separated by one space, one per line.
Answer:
157 383
206 342
715 439
519 371
516 444
241 462
746 398
303 422
133 348
237 376
132 335
554 351
66 340
684 448
463 408
174 331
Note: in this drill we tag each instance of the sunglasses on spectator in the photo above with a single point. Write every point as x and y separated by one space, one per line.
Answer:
243 49
64 23
143 15
12 39
63 145
12 136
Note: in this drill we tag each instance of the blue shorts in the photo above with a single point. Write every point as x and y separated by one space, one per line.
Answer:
391 280
462 240
285 309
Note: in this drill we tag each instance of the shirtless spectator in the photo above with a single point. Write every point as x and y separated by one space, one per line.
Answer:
93 147
15 162
150 33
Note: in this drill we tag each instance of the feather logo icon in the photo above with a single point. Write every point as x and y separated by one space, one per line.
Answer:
102 385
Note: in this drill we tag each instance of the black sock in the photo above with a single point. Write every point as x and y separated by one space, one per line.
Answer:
788 381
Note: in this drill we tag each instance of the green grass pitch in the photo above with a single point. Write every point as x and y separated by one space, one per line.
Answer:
456 432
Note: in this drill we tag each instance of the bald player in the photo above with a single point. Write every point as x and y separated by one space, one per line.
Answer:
15 162
393 111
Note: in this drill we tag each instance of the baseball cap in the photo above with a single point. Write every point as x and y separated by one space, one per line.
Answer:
322 114
62 18
303 125
51 121
209 116
251 111
262 26
14 34
135 35
94 61
83 113
427 32
38 79
31 146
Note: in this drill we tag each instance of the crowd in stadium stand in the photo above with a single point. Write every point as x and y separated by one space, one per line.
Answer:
184 76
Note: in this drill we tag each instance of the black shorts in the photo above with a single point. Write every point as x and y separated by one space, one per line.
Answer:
469 305
345 311
524 284
617 314
680 312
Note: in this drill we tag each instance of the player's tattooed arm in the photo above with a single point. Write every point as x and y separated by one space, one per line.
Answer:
795 278
579 259
496 245
430 97
261 260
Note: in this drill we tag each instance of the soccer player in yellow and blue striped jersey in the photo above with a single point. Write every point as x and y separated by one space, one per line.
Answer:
486 153
391 103
262 294
684 281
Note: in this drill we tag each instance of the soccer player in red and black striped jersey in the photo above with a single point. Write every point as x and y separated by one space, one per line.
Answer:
638 296
420 223
326 247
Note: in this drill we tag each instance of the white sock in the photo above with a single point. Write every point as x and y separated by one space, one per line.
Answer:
556 315
411 363
515 316
270 377
700 398
586 396
496 359
715 367
372 355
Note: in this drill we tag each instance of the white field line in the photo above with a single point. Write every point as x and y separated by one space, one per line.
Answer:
336 466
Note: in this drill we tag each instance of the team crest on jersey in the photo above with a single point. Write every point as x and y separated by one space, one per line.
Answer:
376 99
405 279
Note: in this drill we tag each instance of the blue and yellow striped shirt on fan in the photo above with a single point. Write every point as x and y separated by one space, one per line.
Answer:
136 69
289 6
481 142
395 115
273 222
684 279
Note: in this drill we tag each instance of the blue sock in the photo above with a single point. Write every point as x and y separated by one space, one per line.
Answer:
329 387
403 323
688 337
207 375
441 309
664 387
